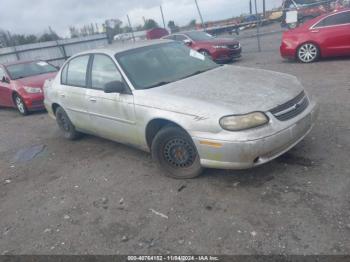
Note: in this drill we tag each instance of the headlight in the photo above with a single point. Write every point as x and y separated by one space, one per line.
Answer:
32 90
241 122
220 46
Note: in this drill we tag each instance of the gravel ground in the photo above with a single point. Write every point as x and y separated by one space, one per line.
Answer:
94 196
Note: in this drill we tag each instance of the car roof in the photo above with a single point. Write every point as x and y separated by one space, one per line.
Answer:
186 32
319 18
116 48
19 62
333 13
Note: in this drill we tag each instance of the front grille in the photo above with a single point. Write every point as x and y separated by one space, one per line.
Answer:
292 108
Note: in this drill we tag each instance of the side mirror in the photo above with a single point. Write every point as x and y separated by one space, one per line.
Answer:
114 87
188 42
5 80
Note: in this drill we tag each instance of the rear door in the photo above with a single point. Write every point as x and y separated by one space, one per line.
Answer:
333 33
5 90
112 114
72 92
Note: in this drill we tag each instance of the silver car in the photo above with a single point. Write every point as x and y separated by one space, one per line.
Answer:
189 112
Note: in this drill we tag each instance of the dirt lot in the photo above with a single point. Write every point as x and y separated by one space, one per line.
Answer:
99 197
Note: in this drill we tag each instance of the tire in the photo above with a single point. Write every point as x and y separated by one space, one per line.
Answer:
66 126
205 53
20 105
176 154
308 53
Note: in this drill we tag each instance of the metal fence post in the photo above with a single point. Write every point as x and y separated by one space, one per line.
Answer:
257 26
132 31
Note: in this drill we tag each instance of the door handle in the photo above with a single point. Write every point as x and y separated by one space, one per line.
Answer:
62 95
93 99
315 31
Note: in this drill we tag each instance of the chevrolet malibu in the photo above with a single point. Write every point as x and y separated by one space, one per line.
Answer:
188 111
21 84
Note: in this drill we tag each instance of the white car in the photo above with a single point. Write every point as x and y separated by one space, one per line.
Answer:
191 113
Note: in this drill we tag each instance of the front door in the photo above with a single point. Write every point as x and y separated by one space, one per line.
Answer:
73 92
112 114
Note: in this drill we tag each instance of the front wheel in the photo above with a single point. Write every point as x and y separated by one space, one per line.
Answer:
176 153
20 105
66 125
205 53
308 53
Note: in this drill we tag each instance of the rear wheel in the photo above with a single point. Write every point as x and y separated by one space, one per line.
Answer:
176 153
308 53
66 125
20 105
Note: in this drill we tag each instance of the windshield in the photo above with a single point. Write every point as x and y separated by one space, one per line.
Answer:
157 65
29 69
200 36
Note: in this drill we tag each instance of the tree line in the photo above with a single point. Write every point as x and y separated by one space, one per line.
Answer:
8 39
110 26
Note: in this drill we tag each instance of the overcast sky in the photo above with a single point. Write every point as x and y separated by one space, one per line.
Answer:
34 16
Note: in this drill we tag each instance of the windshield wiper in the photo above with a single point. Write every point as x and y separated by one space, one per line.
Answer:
158 84
196 73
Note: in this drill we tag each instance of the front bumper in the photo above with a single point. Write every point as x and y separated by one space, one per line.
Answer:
224 154
226 55
34 102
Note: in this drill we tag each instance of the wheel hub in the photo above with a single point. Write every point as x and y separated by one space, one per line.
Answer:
179 153
307 53
19 104
63 122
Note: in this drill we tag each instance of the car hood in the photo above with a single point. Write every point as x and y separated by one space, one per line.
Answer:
37 80
223 91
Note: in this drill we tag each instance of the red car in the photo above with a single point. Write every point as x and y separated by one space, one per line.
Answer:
21 84
324 36
220 50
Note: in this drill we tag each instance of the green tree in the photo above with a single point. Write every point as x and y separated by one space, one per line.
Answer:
192 23
173 27
150 24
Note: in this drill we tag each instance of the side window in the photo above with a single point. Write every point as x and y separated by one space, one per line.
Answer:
64 74
76 71
169 37
180 37
103 71
342 18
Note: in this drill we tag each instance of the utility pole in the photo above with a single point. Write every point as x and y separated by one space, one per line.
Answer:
132 31
257 26
161 11
250 7
200 15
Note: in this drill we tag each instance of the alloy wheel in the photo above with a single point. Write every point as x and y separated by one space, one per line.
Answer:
308 53
20 105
